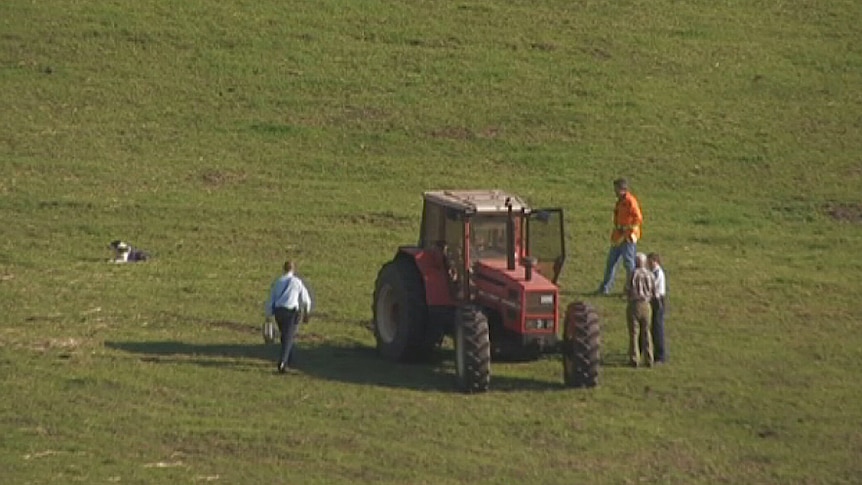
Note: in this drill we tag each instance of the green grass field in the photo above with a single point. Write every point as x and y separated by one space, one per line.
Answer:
227 136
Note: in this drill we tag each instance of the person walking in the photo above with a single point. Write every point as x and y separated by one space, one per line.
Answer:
640 289
628 219
289 303
658 305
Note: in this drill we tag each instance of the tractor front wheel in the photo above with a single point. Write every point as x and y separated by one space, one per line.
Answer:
581 346
472 350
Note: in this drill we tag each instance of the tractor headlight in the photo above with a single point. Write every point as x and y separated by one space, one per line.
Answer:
540 324
546 299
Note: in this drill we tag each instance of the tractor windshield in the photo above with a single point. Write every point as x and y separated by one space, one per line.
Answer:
488 237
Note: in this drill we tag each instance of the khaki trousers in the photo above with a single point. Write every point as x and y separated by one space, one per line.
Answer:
638 316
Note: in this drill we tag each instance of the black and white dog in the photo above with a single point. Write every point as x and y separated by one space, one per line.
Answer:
125 253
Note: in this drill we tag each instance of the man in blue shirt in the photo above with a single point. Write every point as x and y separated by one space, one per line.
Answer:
289 303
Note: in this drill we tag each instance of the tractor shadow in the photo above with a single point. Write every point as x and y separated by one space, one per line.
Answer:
350 362
360 364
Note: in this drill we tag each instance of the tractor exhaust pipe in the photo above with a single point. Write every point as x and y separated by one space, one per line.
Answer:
510 237
529 260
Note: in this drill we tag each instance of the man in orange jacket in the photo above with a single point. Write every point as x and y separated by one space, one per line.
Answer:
625 235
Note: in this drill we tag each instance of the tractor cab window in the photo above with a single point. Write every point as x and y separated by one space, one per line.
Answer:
433 228
488 237
453 251
443 230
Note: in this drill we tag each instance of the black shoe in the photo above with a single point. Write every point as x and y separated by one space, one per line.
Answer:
282 368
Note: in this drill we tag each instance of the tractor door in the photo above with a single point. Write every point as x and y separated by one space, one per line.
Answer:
547 242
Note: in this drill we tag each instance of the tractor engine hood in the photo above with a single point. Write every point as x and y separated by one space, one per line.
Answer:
494 272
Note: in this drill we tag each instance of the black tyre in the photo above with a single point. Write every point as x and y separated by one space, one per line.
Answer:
472 350
400 312
581 346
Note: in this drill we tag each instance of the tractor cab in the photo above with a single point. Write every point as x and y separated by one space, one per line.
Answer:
482 228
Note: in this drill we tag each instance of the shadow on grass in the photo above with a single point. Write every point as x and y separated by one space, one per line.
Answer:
351 363
615 359
194 353
360 364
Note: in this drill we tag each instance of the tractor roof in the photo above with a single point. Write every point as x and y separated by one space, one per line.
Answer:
477 201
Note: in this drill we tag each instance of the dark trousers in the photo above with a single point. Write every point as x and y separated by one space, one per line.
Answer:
657 324
288 323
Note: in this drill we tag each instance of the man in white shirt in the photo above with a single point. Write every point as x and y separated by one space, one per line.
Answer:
289 303
658 303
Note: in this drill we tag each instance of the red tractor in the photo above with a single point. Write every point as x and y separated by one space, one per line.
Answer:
484 272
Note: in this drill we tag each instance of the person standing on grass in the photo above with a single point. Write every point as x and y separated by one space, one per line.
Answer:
289 303
628 219
640 289
658 306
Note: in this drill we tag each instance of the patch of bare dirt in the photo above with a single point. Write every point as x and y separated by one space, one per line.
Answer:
65 344
543 46
364 113
453 133
213 178
845 212
490 132
597 53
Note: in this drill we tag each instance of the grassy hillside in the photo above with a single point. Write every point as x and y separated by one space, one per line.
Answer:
226 136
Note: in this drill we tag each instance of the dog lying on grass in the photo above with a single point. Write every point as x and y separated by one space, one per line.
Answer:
126 253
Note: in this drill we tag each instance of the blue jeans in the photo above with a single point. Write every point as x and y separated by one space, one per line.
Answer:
288 324
626 251
657 324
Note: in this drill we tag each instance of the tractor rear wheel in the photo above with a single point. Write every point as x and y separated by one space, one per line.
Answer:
472 350
581 346
400 312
